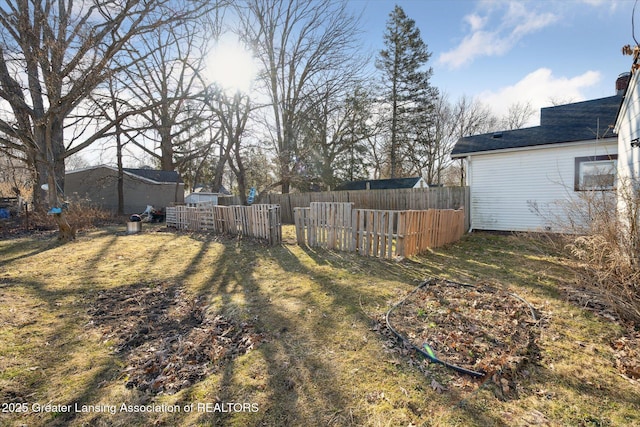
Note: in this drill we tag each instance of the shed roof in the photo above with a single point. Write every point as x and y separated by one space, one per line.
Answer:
379 184
156 175
579 121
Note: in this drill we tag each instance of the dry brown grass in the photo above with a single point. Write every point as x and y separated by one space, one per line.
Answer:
322 361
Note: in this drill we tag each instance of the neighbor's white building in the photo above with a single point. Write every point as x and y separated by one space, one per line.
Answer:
526 179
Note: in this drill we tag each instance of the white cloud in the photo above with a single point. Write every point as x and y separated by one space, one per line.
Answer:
494 40
476 22
541 89
609 4
480 43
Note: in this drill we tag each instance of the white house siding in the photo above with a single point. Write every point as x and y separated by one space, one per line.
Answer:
527 189
628 129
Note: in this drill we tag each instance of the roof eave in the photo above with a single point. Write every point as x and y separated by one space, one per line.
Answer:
536 146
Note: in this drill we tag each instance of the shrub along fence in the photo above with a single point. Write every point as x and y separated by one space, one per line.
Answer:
395 199
380 233
259 221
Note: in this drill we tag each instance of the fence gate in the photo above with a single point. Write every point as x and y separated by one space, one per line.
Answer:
327 225
378 233
374 233
260 221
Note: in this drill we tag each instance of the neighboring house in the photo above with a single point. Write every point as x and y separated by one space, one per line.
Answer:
142 187
383 184
526 179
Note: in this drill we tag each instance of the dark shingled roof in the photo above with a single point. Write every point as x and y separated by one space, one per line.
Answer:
563 123
156 175
379 184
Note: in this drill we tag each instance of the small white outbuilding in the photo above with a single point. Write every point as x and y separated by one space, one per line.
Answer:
197 197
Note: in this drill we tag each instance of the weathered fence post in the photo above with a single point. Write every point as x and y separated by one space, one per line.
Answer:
275 225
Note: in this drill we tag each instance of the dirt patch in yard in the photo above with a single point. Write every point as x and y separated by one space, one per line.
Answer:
169 340
478 328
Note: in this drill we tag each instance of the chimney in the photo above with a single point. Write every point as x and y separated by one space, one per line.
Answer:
622 82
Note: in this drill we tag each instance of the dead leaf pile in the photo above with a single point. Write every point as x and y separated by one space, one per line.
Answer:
627 353
479 328
169 339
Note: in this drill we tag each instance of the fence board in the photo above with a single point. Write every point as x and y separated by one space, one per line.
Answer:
379 233
259 221
329 224
396 199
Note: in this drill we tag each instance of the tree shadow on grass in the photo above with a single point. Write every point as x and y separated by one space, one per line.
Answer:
50 344
299 299
25 248
296 300
68 347
516 262
340 287
294 382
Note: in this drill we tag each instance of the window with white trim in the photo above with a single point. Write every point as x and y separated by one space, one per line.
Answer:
595 173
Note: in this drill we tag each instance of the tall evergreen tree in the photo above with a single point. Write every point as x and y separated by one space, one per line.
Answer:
406 84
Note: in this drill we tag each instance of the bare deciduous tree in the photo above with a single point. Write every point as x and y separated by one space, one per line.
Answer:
171 79
435 137
298 43
335 132
233 114
517 116
53 55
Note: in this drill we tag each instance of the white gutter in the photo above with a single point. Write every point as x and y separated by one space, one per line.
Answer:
611 140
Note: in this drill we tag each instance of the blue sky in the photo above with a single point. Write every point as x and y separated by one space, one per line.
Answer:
502 52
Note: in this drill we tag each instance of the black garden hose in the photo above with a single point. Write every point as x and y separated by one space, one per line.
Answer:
427 351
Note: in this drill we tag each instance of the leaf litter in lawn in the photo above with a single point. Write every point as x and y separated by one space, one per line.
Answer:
479 328
169 339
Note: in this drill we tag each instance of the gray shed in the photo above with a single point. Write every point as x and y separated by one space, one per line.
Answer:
142 187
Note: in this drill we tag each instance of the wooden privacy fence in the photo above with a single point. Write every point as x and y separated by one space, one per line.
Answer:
380 233
394 200
259 221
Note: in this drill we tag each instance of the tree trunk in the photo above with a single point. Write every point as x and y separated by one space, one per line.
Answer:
54 141
40 198
120 172
166 148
